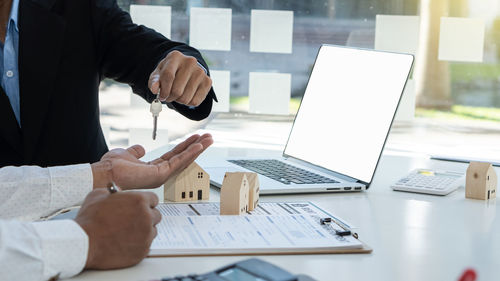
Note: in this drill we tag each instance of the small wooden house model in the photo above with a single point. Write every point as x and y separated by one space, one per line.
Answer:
234 194
189 185
480 181
253 196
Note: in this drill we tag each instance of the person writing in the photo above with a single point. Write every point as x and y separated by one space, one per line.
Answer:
111 230
53 56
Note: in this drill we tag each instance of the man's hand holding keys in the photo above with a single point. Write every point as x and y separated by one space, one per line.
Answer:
179 78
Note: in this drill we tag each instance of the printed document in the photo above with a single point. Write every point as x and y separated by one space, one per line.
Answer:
198 229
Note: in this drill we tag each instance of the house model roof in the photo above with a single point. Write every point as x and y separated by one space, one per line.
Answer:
479 168
234 181
193 183
193 168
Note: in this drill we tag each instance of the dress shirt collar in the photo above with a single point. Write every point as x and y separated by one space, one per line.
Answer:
14 11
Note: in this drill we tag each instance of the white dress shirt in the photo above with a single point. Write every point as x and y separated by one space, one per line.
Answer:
41 250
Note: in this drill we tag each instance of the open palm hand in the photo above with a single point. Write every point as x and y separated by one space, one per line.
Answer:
127 171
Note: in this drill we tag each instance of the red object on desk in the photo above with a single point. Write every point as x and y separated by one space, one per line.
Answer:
468 275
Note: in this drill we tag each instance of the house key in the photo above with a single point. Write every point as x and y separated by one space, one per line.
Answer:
155 109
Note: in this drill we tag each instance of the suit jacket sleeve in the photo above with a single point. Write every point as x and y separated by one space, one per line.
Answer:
128 53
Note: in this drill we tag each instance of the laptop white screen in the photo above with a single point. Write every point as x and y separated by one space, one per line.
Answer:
347 109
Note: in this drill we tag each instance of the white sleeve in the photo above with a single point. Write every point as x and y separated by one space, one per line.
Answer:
41 250
30 192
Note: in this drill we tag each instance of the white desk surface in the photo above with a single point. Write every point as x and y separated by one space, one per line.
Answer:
413 236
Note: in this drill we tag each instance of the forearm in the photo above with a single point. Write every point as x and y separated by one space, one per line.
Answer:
30 192
129 54
40 251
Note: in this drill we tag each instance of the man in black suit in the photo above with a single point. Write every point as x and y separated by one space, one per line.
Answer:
58 51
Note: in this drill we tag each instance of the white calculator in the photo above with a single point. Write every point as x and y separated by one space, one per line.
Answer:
430 182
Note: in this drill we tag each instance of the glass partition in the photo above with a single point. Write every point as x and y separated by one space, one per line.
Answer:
261 52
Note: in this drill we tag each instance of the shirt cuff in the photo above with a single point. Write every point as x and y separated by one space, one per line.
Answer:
64 248
202 67
69 185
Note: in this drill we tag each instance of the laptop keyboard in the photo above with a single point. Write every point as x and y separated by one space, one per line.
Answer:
282 172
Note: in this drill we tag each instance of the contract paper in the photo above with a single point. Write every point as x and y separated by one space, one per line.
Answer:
264 208
245 234
197 229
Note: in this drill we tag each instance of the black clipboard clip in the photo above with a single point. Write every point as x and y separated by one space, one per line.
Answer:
344 232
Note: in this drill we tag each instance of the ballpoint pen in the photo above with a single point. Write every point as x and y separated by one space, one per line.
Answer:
113 189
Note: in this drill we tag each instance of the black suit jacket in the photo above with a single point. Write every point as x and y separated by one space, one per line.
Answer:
66 47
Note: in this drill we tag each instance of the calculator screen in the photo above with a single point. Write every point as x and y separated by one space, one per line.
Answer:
236 274
438 174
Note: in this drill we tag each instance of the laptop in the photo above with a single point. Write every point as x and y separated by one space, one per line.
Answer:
340 129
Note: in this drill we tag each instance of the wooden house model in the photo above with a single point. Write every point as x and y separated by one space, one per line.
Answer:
189 185
253 196
480 181
234 194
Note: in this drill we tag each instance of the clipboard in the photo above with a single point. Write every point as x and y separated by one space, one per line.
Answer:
282 234
364 250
